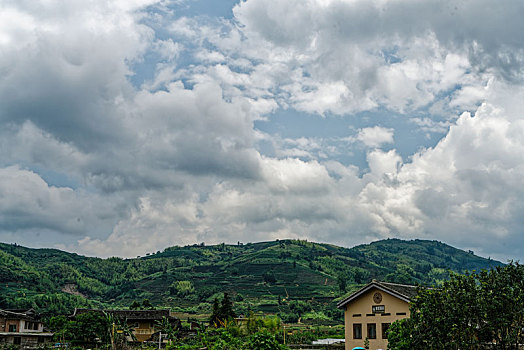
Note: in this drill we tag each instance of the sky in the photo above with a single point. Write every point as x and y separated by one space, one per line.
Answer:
127 126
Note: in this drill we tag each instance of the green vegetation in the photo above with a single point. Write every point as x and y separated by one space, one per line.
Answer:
85 328
469 312
103 331
295 279
223 312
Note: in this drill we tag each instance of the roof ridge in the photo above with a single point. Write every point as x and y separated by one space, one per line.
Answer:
397 284
391 288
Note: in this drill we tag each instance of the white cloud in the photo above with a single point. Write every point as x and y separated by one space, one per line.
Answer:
29 203
177 159
375 136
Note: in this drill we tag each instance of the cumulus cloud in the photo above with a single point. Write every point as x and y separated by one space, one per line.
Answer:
29 203
177 157
375 136
465 190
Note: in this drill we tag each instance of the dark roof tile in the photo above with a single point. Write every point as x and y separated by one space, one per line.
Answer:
401 291
131 314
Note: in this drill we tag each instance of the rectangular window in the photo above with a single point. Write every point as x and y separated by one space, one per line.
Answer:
372 331
385 327
401 313
12 328
26 326
357 331
35 326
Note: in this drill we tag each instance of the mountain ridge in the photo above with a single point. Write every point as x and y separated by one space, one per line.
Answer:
271 277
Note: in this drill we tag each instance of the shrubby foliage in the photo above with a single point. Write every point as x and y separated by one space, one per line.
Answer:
470 311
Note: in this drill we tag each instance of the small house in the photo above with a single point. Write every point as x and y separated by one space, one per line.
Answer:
143 323
369 312
22 328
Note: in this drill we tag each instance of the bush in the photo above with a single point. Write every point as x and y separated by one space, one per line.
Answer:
264 341
182 288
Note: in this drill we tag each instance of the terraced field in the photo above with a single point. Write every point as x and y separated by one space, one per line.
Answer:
291 278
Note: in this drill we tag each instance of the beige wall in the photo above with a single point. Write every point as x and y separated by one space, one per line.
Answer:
363 306
143 331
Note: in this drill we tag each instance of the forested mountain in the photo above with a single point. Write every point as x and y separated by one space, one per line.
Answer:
293 278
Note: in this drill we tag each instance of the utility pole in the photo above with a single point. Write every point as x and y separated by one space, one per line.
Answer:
113 336
160 339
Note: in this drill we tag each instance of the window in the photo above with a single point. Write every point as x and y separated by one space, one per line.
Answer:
35 326
17 340
12 328
357 331
27 325
385 327
372 330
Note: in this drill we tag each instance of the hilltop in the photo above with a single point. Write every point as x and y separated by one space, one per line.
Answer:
293 278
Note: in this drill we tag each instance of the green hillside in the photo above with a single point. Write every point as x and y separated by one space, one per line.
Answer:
293 278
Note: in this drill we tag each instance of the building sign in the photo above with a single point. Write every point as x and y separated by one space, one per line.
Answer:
378 309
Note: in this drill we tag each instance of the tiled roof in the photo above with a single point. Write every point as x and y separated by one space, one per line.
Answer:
131 314
401 291
19 314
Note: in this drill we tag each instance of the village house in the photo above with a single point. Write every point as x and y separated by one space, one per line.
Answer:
22 328
369 312
143 323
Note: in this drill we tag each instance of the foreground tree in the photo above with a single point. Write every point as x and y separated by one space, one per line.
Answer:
470 311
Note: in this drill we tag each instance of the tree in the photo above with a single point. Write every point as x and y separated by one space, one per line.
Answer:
146 304
135 305
222 311
399 335
215 314
468 312
341 279
269 277
182 288
226 308
264 340
88 327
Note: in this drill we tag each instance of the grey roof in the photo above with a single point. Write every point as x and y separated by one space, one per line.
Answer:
131 314
402 291
407 291
19 314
